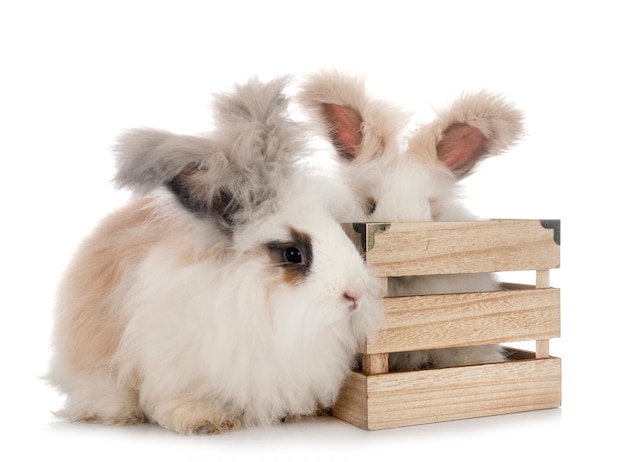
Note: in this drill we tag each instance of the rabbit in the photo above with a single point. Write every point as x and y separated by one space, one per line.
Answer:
411 174
225 293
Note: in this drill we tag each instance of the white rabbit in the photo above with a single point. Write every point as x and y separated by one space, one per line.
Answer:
404 175
225 293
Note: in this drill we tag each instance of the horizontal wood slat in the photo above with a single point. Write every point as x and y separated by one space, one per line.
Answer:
435 395
415 249
453 320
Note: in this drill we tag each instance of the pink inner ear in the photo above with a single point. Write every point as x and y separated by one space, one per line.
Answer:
461 147
345 126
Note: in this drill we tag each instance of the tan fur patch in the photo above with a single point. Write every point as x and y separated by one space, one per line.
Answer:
90 324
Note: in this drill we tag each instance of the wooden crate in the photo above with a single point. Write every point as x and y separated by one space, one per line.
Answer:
374 398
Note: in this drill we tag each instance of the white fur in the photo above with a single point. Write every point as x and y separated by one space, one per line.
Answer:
399 169
211 334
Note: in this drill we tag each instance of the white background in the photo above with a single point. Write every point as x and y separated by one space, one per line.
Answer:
74 74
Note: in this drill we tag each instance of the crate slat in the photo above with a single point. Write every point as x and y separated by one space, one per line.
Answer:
415 249
452 320
436 395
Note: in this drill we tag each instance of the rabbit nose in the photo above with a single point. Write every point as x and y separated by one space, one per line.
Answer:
353 300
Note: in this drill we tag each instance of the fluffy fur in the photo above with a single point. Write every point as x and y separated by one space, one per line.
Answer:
190 307
412 175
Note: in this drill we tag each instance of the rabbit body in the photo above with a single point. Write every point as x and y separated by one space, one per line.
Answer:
225 294
412 175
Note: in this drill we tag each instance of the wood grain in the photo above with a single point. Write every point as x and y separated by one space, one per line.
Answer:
436 395
414 249
452 320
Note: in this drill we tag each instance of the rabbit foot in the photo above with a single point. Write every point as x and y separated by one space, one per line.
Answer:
194 417
215 427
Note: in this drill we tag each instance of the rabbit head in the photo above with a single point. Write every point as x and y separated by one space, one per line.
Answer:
409 174
226 293
245 179
404 174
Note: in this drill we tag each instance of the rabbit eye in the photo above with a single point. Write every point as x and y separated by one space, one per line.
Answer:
372 206
293 255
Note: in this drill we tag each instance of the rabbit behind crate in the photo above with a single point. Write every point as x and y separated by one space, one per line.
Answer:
225 294
413 177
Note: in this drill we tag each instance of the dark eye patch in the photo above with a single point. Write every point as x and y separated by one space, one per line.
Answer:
294 256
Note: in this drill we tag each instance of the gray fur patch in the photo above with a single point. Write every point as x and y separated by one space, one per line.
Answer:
232 174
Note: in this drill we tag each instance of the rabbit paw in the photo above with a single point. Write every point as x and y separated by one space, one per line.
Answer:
194 417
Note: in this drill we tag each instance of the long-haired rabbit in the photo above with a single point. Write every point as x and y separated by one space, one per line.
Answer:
225 293
412 175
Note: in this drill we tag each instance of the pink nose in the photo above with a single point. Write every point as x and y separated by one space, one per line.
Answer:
352 299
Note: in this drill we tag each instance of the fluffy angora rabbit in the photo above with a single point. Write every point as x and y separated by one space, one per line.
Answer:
225 293
413 177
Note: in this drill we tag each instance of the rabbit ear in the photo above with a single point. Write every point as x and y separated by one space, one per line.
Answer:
148 158
191 167
359 126
229 175
345 129
475 127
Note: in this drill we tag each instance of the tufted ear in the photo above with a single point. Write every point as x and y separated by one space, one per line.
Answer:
147 158
232 173
473 128
192 167
359 126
